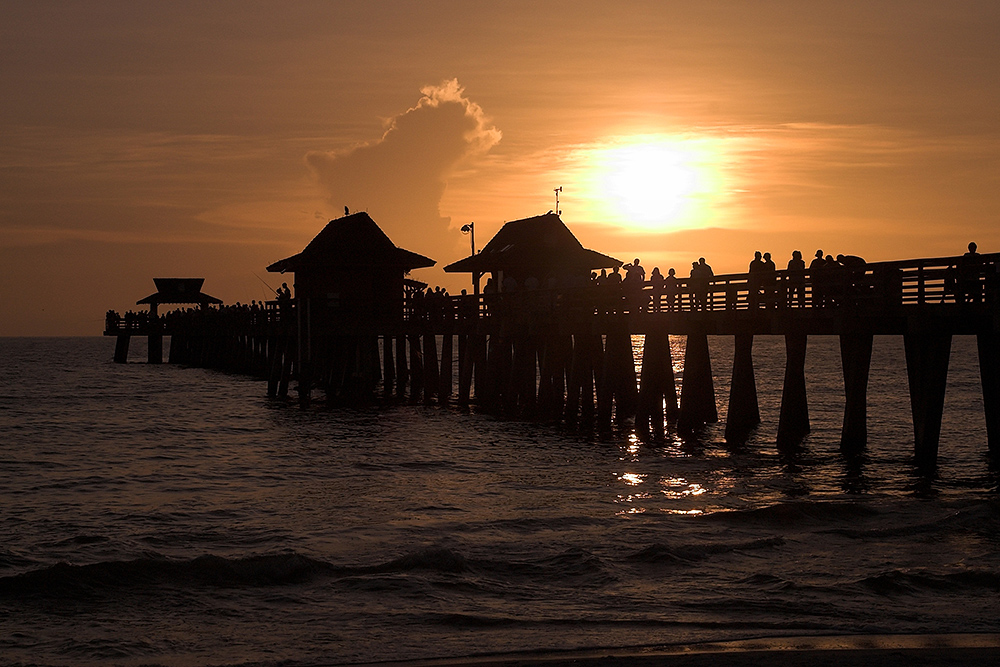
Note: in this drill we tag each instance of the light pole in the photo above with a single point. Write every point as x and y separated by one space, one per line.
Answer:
470 229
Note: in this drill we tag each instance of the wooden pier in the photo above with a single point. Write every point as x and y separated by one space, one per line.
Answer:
565 352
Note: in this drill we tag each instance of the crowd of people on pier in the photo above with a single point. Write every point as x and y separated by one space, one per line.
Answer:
236 317
827 282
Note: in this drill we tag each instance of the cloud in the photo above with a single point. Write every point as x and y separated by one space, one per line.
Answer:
401 178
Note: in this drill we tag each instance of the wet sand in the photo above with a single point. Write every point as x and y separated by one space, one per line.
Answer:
842 651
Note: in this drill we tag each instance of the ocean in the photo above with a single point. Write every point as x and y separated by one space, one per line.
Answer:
162 515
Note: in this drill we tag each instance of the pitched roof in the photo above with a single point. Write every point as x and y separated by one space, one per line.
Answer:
178 290
542 241
353 240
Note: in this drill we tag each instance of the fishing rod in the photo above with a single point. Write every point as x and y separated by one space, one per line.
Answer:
273 291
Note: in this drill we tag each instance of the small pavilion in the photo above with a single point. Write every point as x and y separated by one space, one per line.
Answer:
168 291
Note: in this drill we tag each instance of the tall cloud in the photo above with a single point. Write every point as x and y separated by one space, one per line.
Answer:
400 178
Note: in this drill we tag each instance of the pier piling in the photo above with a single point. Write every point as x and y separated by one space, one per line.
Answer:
697 388
927 356
793 420
855 357
743 414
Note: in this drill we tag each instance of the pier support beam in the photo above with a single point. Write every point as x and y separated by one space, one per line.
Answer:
402 372
446 376
697 388
587 353
793 422
416 368
927 356
856 358
388 366
657 391
121 348
989 372
744 411
617 384
465 367
431 376
154 353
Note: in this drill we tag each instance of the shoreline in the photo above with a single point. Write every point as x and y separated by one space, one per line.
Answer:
883 650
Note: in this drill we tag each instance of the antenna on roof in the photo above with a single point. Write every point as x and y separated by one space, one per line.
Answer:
557 191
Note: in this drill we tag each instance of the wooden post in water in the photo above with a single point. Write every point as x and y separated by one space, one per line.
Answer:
927 356
478 345
656 389
446 375
388 366
465 364
697 387
430 366
587 352
520 394
121 348
416 369
154 353
793 421
989 373
744 411
856 358
402 372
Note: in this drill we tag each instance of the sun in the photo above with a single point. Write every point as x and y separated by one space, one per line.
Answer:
650 182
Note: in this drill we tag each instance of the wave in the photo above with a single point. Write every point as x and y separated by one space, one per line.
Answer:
981 519
913 582
693 553
795 513
97 579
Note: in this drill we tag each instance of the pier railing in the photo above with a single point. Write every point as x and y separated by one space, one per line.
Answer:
874 289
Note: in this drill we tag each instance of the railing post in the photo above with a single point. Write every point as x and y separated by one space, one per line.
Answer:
921 287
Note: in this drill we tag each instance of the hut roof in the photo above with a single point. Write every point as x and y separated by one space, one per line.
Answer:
178 290
541 241
353 240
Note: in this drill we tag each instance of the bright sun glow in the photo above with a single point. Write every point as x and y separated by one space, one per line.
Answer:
653 182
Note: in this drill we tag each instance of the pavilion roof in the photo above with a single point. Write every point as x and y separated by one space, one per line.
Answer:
351 241
178 290
543 242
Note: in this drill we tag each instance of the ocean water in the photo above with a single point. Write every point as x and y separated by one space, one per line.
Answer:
160 515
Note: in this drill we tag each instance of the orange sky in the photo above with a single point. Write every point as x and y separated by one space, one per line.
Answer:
211 139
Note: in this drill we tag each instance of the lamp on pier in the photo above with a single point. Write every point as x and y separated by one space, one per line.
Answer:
470 229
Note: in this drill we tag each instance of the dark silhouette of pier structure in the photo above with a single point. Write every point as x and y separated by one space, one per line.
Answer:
544 341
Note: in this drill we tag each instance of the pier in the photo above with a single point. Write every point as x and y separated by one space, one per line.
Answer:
563 350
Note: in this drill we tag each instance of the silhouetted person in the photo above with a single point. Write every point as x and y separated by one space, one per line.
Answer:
613 286
656 285
853 274
834 278
769 277
817 278
754 279
701 274
635 268
796 279
671 289
284 301
969 271
633 284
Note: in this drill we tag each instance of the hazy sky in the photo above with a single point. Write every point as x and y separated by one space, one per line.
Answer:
142 139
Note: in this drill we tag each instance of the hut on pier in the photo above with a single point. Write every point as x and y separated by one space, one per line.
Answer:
351 273
168 291
540 247
179 291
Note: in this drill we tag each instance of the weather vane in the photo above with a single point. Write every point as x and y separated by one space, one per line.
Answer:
557 191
